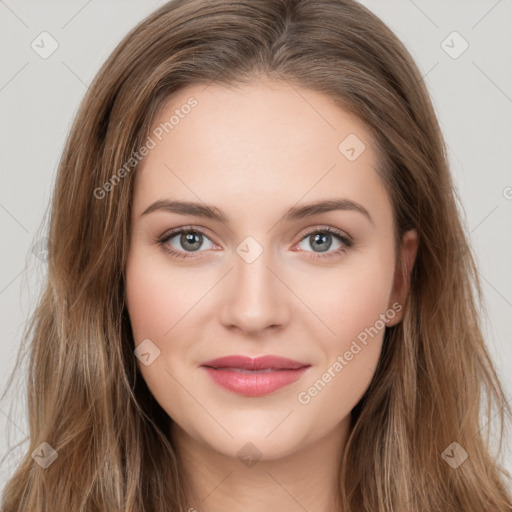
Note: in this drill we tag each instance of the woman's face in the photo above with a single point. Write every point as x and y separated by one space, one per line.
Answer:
252 278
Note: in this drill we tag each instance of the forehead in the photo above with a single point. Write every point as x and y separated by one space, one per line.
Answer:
268 143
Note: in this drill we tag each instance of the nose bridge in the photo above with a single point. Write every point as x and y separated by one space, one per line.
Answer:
256 298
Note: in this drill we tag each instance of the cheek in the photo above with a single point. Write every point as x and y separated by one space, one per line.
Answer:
158 297
350 355
365 296
349 300
159 300
354 304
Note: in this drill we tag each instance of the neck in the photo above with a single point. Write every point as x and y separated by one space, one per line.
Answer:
307 479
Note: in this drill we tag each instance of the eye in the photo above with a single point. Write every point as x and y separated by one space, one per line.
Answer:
188 240
322 239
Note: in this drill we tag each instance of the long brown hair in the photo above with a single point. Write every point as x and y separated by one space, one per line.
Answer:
86 398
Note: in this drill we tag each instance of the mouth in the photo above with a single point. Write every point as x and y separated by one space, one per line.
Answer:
254 376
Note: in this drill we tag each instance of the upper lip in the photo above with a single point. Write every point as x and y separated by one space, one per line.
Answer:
258 363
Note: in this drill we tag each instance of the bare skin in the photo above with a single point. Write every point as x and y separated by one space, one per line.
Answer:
254 152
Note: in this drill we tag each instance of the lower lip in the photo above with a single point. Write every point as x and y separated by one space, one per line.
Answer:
254 383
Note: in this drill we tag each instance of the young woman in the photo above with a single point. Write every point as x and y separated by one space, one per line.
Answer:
259 292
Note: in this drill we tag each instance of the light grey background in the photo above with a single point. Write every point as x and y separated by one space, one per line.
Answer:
472 95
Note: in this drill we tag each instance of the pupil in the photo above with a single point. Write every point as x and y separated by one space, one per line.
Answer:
322 238
194 239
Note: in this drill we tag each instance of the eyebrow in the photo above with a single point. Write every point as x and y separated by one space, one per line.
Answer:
294 213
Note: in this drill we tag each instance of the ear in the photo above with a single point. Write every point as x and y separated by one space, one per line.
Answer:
401 280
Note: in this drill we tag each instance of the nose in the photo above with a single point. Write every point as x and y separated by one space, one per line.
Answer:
255 299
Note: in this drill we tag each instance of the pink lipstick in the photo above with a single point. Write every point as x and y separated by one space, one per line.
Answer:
254 376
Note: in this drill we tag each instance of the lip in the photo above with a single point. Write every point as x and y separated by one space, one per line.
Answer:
254 376
255 363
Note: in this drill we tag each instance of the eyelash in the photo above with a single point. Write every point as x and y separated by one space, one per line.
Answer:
168 235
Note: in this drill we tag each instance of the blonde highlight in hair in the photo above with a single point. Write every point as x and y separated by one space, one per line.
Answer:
85 393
